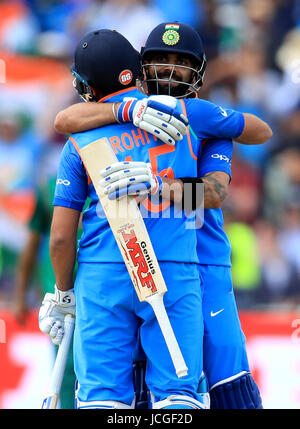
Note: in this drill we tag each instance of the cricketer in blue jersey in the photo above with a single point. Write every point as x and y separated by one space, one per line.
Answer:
216 235
102 347
132 144
225 360
98 255
108 312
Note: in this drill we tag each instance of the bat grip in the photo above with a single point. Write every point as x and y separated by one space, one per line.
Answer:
157 304
62 355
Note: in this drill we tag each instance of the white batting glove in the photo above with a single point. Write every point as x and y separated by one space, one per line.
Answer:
158 114
129 178
52 313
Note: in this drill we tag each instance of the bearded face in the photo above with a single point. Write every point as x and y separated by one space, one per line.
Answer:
170 74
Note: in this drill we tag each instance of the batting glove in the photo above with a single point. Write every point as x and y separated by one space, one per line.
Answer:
158 114
52 313
129 178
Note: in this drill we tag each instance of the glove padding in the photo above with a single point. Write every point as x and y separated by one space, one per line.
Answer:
158 115
129 178
52 313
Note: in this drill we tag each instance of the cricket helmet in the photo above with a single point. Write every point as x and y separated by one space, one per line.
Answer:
178 38
105 60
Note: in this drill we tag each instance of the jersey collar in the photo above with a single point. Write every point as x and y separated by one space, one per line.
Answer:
193 95
115 96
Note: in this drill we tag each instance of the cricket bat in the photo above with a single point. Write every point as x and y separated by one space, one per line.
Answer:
52 397
128 227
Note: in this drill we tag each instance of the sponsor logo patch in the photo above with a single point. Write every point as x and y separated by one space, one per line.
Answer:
140 111
63 182
125 77
221 157
137 254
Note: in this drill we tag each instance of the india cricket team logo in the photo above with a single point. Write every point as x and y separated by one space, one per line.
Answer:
171 35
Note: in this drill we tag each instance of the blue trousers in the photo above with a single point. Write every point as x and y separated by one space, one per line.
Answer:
108 316
224 346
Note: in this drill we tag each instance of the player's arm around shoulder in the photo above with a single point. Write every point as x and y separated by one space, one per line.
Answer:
80 117
157 115
212 121
256 131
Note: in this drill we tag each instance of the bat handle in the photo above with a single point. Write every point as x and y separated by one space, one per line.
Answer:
156 302
60 363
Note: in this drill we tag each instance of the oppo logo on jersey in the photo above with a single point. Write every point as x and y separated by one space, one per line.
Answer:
125 77
63 182
140 258
221 157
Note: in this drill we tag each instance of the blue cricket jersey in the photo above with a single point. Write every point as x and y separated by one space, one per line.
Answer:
167 224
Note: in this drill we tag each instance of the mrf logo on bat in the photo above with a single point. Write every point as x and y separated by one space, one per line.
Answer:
138 254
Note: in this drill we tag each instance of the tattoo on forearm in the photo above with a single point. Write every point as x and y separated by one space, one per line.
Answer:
214 186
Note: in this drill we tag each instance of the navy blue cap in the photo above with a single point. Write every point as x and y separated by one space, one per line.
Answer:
174 37
106 60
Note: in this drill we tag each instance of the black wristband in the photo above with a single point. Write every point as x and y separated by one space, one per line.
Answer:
191 197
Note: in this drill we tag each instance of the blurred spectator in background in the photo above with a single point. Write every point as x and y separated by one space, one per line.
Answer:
35 251
18 26
20 151
286 99
132 18
245 190
289 234
279 284
56 15
283 17
35 257
246 269
189 12
282 181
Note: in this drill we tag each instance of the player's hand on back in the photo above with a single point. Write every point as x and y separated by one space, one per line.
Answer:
129 178
159 115
52 313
